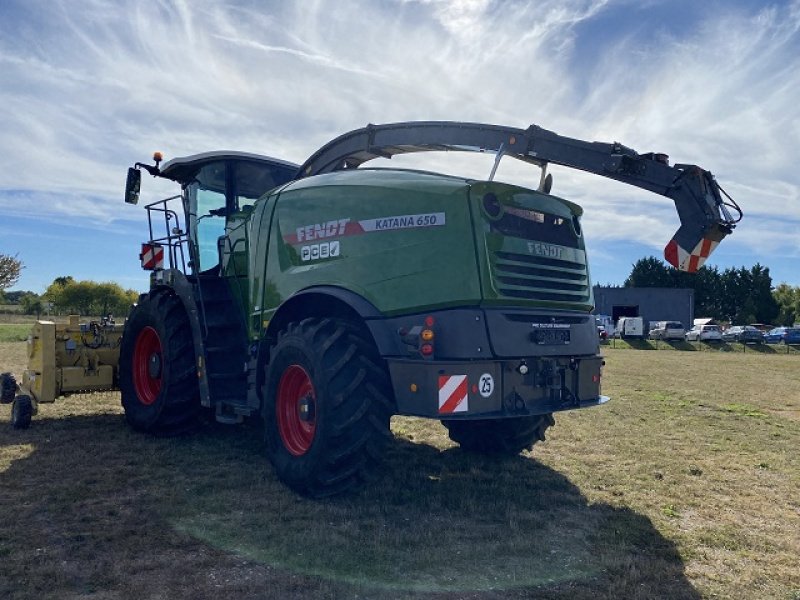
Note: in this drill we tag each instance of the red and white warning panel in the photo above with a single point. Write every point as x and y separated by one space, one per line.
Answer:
152 256
689 261
453 394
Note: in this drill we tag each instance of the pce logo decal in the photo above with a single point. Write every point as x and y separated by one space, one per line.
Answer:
319 251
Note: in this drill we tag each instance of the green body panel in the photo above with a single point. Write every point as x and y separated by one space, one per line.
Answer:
407 242
395 238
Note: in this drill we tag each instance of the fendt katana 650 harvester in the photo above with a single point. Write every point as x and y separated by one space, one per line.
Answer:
326 298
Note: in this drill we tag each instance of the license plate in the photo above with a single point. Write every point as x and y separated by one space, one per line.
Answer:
550 337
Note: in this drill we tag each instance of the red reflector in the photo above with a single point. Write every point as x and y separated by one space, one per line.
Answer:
426 349
429 321
596 378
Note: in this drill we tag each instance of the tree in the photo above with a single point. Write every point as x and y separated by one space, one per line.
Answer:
88 297
706 284
55 292
649 272
63 281
747 296
766 307
31 304
10 269
788 301
737 295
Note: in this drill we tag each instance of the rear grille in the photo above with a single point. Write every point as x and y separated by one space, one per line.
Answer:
549 229
539 278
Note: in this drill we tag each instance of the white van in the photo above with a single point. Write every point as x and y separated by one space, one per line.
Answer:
630 327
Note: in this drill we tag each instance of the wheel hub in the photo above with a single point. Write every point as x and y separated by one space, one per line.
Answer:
154 365
307 409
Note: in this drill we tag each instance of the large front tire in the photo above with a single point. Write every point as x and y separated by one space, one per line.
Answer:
499 436
326 407
157 376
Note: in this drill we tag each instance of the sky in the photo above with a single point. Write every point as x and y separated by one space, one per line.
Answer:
88 88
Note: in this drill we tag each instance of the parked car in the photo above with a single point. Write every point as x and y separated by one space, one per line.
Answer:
783 335
704 333
744 334
667 330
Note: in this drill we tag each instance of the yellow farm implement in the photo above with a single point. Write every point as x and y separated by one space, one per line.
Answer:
63 359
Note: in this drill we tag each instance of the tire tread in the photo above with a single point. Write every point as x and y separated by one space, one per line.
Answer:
356 419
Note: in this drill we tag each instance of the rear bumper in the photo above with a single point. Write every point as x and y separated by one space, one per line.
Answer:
495 389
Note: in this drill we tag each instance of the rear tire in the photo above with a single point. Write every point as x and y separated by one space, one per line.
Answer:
326 407
499 436
21 412
8 387
157 376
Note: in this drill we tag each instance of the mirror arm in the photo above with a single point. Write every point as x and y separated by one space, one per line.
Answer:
152 169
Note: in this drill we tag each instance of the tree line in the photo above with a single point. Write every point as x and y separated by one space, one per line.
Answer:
737 295
65 295
68 296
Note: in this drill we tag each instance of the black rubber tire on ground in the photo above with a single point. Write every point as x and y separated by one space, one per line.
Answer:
21 412
8 387
508 436
338 443
157 375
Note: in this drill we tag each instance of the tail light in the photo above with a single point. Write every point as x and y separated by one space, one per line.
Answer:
419 339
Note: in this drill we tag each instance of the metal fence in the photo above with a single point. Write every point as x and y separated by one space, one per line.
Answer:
645 344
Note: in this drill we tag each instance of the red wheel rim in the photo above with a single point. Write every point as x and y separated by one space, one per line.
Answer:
147 366
296 408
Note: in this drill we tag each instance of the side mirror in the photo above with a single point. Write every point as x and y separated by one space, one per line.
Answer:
545 180
132 185
548 184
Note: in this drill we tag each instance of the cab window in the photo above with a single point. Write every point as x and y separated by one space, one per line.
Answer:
253 180
207 208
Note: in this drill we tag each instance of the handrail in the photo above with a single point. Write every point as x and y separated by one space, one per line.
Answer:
175 237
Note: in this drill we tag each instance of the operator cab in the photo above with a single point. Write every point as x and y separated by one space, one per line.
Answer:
218 186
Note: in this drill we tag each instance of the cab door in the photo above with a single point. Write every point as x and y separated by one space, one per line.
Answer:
208 204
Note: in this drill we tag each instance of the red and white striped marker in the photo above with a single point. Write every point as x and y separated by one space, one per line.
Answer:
152 257
453 394
689 261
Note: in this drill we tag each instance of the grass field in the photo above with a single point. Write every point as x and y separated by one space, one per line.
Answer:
16 327
14 332
684 486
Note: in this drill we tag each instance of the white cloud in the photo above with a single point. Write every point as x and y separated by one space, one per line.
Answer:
91 87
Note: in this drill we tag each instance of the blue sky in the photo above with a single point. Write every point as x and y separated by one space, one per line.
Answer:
88 88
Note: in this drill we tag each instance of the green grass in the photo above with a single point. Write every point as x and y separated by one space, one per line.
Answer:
14 332
742 409
683 486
